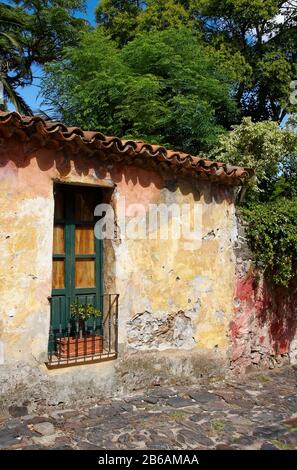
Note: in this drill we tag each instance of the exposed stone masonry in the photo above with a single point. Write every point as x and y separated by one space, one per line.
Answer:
147 330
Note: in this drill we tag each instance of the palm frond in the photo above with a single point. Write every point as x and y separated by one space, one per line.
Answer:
11 39
49 115
15 98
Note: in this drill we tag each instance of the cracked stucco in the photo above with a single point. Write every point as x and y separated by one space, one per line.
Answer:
161 283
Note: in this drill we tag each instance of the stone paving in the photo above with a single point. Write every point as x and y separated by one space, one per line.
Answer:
259 412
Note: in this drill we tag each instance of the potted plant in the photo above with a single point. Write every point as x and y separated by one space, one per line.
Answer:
82 342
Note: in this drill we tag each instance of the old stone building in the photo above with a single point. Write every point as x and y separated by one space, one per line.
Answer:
172 309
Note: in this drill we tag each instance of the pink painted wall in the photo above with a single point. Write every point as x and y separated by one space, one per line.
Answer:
263 331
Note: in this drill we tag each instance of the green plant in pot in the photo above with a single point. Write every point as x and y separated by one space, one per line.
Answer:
81 313
83 344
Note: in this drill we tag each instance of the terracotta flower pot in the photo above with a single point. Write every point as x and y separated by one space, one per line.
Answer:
76 347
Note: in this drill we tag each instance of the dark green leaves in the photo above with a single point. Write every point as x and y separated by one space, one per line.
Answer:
273 237
164 87
34 32
271 201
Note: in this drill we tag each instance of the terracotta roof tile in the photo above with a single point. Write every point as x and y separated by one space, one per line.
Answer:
94 141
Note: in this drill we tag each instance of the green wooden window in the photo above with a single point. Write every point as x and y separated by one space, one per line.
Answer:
77 254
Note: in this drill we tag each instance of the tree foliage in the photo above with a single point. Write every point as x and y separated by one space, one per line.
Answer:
122 20
264 146
163 14
265 34
34 32
273 238
149 89
271 210
118 18
11 59
258 38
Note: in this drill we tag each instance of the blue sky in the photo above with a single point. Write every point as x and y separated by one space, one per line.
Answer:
91 5
30 93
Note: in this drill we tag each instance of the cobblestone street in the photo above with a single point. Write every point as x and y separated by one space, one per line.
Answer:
257 413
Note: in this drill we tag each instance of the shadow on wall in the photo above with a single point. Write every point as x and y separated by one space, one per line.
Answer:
105 165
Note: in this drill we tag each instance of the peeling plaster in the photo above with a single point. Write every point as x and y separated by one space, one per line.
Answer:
161 331
170 297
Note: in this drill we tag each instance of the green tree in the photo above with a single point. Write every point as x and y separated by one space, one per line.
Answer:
123 19
265 35
118 18
34 32
89 88
271 210
273 238
258 39
11 57
162 15
150 89
263 146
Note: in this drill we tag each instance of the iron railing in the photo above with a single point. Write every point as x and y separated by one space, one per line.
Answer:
74 342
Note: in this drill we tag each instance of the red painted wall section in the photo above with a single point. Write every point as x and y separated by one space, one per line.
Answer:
263 331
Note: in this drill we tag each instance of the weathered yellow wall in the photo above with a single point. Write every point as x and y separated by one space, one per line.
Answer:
159 282
160 278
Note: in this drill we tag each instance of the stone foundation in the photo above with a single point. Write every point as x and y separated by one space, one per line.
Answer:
38 388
